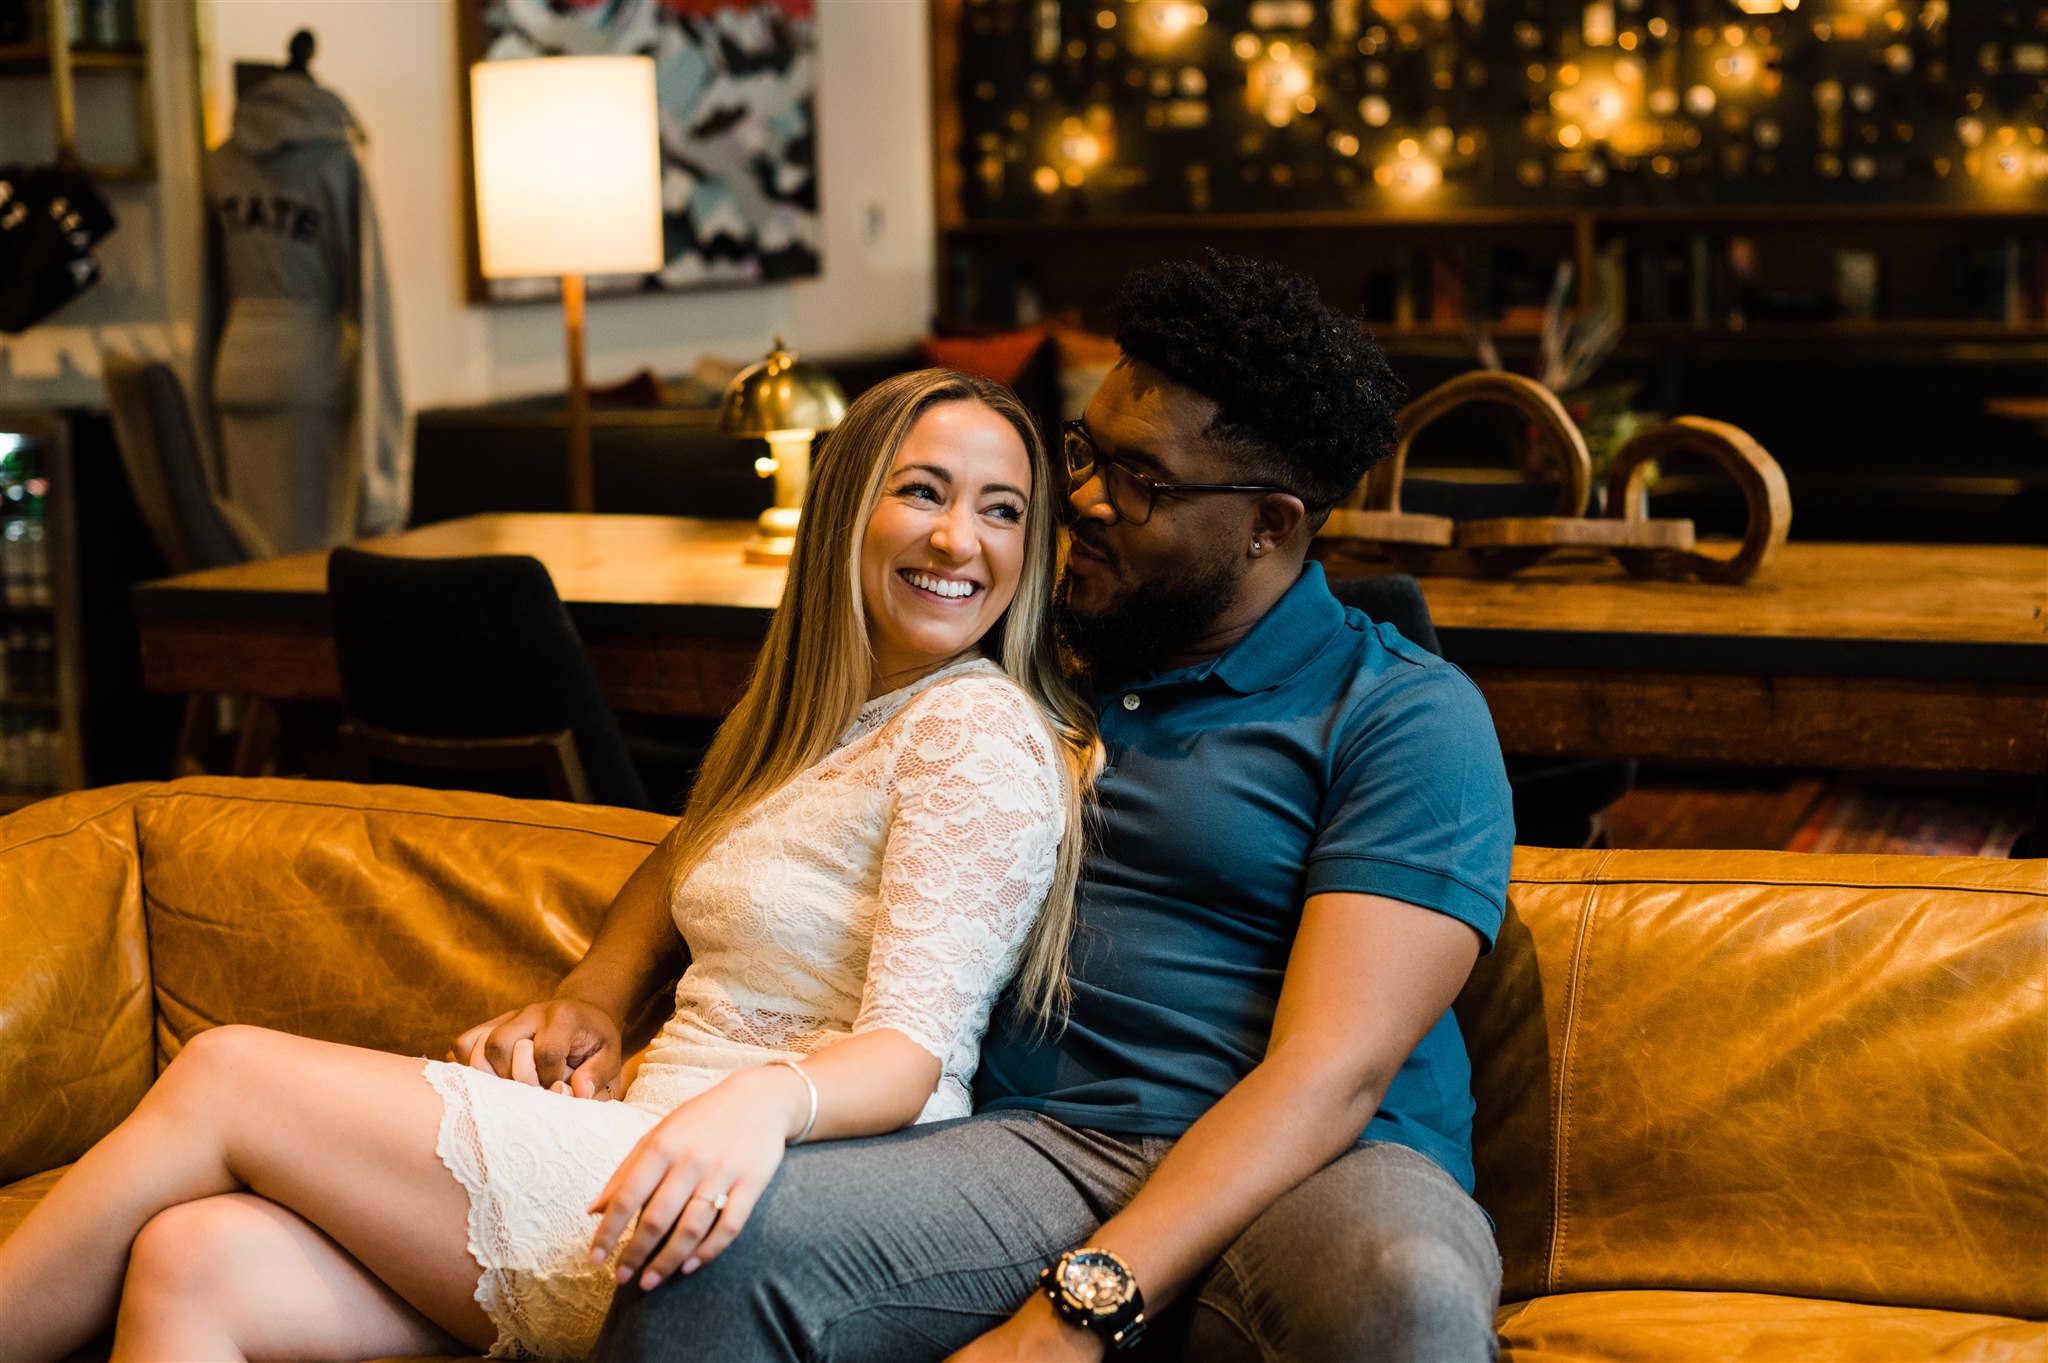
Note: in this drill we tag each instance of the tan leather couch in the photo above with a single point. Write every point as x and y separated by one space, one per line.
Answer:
1732 1105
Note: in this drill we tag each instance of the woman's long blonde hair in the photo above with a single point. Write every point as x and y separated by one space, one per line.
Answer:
816 668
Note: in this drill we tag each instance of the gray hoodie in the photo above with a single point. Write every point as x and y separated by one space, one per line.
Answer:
299 316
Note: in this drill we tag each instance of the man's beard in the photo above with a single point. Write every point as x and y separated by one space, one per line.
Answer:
1149 621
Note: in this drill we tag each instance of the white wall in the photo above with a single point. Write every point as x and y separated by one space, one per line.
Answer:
394 62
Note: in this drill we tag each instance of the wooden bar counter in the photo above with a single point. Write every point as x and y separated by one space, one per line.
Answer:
1860 656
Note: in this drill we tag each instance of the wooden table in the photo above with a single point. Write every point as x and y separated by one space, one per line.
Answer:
1920 657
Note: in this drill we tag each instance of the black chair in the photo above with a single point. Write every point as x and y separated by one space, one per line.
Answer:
193 528
1559 802
467 673
166 466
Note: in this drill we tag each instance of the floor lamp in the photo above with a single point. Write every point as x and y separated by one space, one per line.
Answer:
568 184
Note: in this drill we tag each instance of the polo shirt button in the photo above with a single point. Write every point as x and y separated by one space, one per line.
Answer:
1130 702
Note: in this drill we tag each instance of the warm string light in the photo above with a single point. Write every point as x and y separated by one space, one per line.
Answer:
1408 173
2009 157
1622 99
1279 81
1159 26
1080 147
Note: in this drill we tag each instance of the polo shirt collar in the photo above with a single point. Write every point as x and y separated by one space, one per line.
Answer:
1286 639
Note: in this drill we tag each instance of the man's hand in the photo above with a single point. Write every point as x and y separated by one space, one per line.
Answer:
1035 1334
565 1045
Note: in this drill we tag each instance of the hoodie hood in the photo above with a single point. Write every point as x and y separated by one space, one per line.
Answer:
289 110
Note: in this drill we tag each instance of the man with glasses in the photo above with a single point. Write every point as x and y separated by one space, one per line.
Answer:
1251 1139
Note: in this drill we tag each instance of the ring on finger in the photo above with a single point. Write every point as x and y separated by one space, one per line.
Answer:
717 1203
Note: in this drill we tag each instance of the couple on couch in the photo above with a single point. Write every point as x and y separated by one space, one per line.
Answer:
1003 1027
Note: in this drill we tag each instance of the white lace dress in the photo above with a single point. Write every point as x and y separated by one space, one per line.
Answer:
890 885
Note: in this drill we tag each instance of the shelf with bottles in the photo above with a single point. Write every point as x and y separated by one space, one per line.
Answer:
1899 279
62 40
32 757
89 28
25 577
41 705
33 59
1979 278
28 666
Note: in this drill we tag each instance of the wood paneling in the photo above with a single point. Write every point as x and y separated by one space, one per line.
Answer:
1788 721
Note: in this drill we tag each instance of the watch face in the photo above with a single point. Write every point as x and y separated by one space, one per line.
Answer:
1097 1283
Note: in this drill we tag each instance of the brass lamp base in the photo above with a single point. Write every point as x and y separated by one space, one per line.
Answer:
774 537
770 551
759 402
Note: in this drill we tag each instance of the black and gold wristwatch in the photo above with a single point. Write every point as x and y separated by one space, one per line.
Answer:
1093 1289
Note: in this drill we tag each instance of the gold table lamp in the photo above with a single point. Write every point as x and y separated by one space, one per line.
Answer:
785 401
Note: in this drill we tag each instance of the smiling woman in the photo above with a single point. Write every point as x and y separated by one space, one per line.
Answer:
943 550
885 833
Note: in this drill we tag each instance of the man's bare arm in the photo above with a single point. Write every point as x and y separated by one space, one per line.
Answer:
1366 979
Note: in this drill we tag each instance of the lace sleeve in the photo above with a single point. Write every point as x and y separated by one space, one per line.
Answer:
971 850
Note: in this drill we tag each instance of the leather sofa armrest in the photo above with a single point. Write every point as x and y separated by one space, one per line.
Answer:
76 1004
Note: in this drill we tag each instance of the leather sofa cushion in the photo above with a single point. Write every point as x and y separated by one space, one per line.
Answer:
1723 1327
75 1008
1759 1072
379 916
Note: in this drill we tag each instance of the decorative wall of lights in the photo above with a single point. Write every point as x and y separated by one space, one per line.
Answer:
1121 106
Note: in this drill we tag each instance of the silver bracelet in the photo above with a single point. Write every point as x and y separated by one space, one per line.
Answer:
812 1120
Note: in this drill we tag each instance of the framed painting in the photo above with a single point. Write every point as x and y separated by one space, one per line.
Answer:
736 85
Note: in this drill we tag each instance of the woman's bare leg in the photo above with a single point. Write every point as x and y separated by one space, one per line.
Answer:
342 1136
238 1277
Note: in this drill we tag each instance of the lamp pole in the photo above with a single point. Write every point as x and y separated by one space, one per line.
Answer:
582 475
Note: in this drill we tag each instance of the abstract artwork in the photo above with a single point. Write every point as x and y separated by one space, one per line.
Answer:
736 82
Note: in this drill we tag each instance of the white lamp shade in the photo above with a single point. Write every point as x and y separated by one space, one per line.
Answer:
568 166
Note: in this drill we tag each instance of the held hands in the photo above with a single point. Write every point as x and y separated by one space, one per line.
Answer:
564 1045
694 1179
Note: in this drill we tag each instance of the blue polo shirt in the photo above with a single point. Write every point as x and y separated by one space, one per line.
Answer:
1323 753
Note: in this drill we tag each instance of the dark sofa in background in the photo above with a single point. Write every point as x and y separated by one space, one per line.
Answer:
1876 447
665 461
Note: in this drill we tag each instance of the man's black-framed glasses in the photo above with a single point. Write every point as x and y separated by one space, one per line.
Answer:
1130 492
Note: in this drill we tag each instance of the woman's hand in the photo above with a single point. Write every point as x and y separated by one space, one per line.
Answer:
566 1045
694 1179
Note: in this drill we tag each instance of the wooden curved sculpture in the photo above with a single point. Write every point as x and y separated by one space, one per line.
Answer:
1748 463
1423 544
1650 548
1537 404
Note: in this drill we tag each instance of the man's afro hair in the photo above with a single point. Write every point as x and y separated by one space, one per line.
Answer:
1303 396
